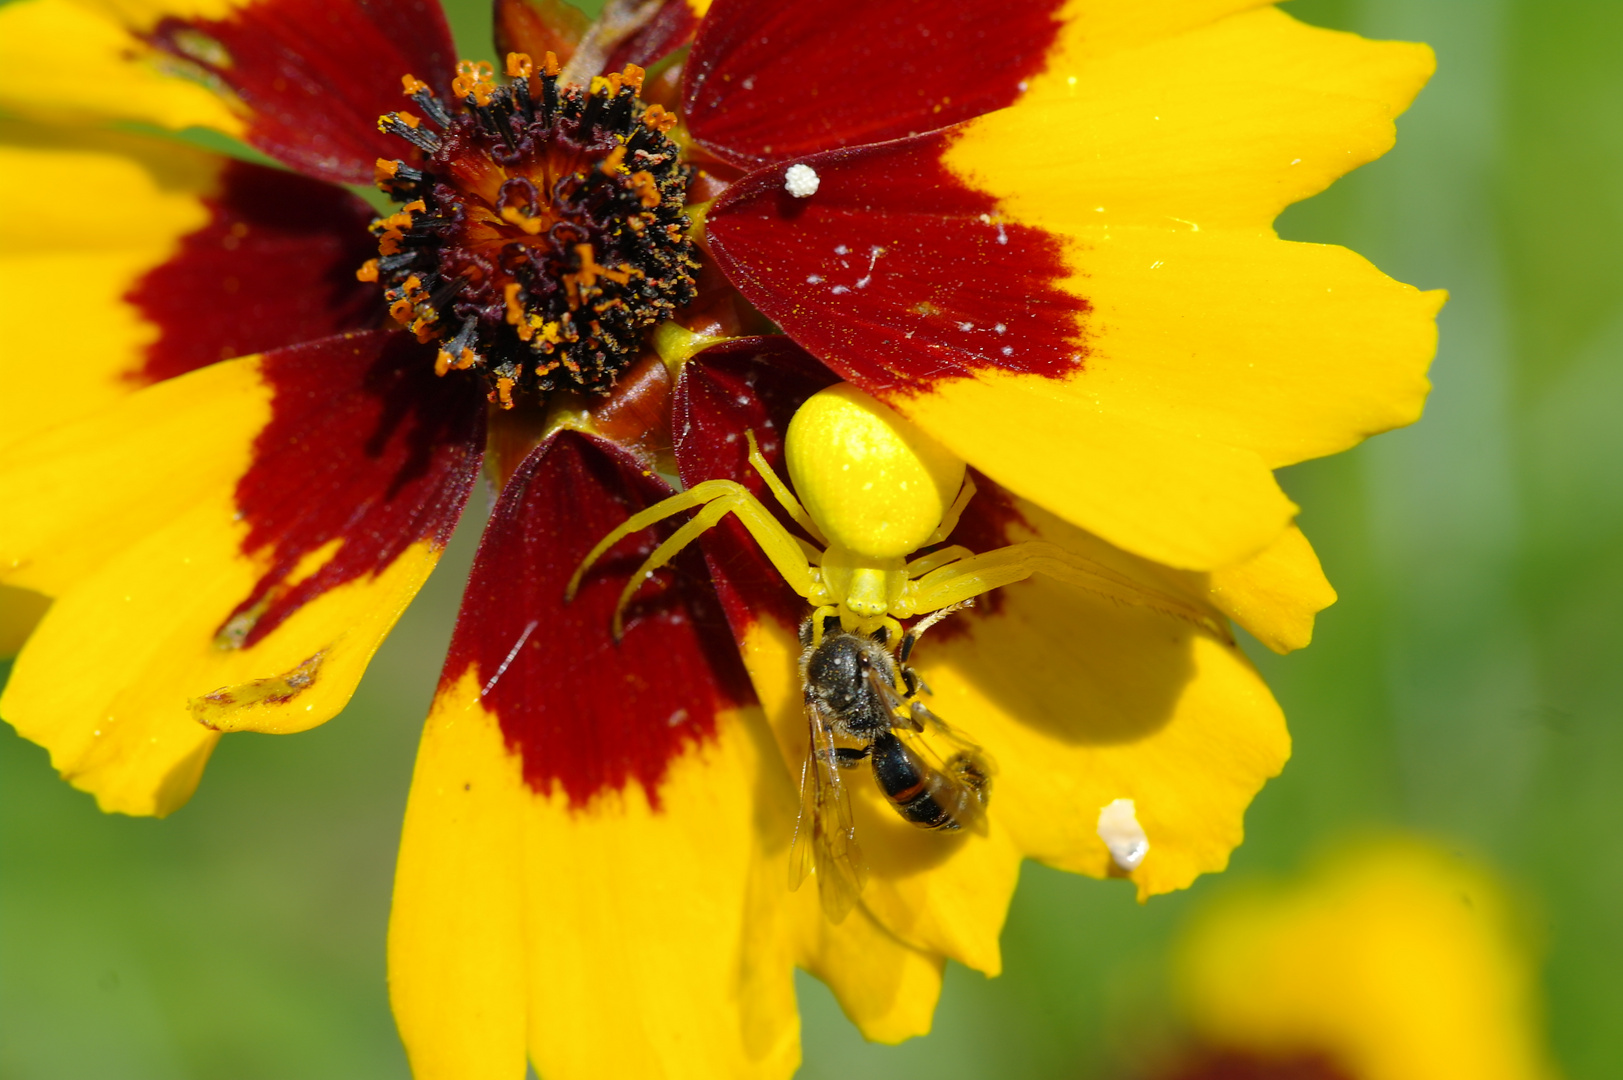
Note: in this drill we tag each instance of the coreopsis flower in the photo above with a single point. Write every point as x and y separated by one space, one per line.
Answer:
1392 961
245 412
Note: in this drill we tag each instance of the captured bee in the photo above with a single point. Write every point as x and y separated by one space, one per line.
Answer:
879 499
857 693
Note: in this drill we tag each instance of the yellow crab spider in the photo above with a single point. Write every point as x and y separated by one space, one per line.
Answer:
874 489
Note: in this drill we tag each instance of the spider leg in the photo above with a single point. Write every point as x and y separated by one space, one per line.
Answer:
949 520
937 559
819 619
781 492
1003 566
685 500
665 552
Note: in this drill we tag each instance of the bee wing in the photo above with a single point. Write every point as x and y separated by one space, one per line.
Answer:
825 834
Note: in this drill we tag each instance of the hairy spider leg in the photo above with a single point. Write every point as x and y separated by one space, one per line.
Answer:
972 576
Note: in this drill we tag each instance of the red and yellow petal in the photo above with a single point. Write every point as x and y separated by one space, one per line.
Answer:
170 259
1080 701
773 82
1108 327
226 550
68 60
614 938
73 269
593 867
302 80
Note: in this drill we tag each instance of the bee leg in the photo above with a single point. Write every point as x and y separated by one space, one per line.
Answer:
911 638
921 715
849 757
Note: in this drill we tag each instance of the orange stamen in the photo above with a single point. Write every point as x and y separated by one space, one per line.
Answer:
611 164
646 188
659 119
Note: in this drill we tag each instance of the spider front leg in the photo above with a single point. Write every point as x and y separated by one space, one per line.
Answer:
966 578
718 499
781 492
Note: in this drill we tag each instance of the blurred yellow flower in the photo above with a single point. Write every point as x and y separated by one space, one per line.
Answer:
1394 961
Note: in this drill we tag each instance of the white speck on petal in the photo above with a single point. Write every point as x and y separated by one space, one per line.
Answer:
814 279
1000 328
1008 350
1123 835
839 290
841 249
801 180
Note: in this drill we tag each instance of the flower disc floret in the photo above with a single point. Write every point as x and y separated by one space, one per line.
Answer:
543 230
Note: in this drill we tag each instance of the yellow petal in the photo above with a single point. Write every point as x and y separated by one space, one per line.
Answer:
1397 960
87 61
613 939
70 259
20 611
886 987
1098 28
1225 125
1276 593
1081 702
1159 491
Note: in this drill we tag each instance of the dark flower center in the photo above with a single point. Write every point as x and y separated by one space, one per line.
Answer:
543 231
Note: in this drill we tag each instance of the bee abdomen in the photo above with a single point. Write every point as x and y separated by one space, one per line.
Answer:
921 795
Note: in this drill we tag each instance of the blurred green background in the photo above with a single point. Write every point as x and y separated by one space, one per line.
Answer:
1467 685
